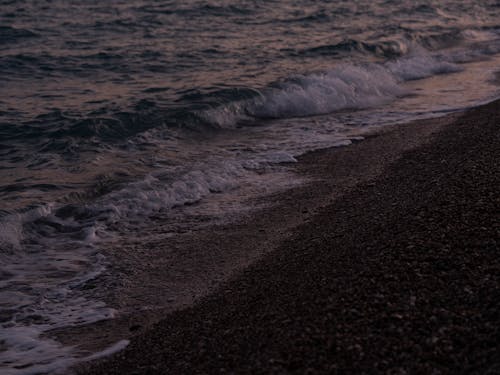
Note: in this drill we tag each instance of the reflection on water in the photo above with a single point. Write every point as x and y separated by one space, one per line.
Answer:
85 56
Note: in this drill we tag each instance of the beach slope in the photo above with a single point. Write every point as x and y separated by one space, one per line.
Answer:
399 274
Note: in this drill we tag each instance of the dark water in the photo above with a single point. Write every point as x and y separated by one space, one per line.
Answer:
113 112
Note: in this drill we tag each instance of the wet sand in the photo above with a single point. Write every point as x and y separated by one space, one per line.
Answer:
386 261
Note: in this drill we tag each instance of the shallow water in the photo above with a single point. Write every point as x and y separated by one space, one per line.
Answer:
112 113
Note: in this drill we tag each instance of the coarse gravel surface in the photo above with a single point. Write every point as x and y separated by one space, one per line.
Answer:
400 275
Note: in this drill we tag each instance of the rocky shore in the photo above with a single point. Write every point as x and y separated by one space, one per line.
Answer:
396 272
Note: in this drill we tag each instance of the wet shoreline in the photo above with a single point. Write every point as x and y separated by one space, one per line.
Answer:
253 300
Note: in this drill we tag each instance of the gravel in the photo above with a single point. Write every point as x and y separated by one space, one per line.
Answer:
401 274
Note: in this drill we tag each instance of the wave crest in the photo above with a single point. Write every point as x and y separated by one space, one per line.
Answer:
347 86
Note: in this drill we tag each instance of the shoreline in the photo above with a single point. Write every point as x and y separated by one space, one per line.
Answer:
232 246
277 237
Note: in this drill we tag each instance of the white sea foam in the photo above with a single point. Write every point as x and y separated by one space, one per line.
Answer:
138 199
420 65
26 351
40 290
346 86
27 354
11 226
54 253
115 348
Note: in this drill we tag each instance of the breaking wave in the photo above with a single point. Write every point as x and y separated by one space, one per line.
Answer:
346 86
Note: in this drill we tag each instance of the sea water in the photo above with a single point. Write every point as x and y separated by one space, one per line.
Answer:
112 112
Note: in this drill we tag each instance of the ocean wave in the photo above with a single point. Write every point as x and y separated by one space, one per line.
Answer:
420 65
347 86
402 42
438 40
351 86
385 49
